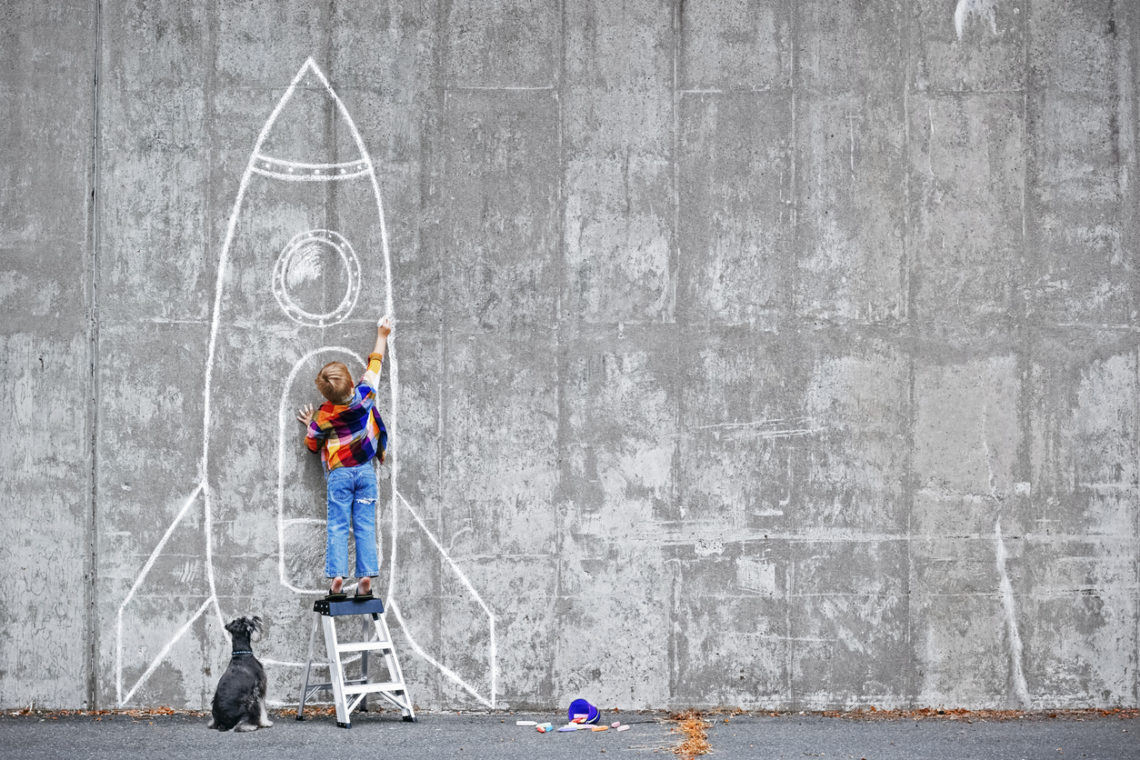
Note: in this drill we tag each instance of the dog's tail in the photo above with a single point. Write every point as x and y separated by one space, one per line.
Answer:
170 593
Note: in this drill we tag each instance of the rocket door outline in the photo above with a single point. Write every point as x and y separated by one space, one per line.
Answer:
312 275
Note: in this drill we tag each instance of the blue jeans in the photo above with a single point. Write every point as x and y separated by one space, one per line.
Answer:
352 497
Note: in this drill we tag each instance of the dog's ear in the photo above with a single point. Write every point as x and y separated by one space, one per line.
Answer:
256 626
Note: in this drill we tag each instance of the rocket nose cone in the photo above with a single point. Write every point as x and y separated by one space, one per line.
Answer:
310 125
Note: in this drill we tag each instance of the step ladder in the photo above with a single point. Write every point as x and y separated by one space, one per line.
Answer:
376 639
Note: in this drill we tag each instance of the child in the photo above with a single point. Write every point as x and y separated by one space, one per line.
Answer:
349 426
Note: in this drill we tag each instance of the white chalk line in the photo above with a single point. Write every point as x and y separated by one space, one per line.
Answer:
439 547
455 536
305 521
451 674
306 177
784 502
479 599
778 433
165 650
755 423
502 88
360 163
281 268
131 595
755 428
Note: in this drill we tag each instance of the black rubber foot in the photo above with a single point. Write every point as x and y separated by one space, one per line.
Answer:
300 717
409 719
343 725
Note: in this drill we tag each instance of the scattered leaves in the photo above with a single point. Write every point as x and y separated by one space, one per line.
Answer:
695 732
147 712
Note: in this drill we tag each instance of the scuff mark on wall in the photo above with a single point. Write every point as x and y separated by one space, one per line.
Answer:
1008 603
1010 608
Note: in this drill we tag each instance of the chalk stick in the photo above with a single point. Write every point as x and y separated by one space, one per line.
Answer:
526 722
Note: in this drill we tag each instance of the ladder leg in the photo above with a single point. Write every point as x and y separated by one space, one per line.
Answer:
336 672
366 633
308 670
393 664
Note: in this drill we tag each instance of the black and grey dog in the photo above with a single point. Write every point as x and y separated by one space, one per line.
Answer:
239 700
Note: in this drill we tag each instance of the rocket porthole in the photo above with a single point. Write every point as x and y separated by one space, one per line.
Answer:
316 279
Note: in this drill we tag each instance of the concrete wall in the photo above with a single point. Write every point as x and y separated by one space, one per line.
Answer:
749 352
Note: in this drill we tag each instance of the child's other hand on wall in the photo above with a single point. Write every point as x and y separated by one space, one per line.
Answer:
305 414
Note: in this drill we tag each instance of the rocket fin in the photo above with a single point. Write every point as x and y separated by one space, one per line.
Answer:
475 669
168 595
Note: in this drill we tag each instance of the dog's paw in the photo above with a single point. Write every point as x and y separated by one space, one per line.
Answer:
210 724
243 727
266 724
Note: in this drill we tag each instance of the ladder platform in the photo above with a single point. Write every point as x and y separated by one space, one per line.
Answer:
372 688
349 606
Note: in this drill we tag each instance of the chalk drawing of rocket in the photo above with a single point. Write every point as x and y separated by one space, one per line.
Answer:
299 282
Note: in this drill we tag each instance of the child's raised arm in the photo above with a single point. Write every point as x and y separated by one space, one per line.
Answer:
383 330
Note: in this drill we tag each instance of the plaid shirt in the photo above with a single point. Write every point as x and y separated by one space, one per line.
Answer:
352 433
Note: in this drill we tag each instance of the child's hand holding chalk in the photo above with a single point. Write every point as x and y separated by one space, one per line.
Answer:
384 326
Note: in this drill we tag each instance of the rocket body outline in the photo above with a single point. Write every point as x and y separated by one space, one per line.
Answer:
273 167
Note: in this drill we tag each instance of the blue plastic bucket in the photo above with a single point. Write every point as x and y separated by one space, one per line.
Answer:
582 707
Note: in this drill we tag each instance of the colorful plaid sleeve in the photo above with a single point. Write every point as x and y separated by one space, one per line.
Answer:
314 435
371 378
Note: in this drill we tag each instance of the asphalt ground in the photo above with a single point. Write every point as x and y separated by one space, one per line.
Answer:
799 738
450 735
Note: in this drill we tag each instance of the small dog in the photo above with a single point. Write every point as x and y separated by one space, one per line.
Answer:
239 700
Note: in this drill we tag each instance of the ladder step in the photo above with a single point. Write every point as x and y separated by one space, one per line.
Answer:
364 646
371 688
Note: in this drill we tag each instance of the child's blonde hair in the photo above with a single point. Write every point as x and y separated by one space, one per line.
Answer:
334 382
